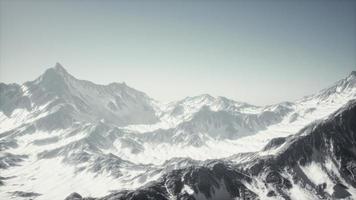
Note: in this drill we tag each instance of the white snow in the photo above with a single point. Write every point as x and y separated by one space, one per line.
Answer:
318 176
187 189
56 180
297 193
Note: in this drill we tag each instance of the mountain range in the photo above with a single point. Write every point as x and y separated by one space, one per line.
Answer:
60 135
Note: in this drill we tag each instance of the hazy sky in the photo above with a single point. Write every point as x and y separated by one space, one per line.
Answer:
262 52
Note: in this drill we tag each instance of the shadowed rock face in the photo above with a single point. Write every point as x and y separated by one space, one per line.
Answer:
25 194
11 97
332 140
9 160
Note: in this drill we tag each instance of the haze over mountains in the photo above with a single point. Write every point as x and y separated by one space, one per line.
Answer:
60 135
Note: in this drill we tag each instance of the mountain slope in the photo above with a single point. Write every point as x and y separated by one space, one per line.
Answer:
317 163
69 99
59 134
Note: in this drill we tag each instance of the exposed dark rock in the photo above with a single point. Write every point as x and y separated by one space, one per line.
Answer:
8 160
340 192
74 196
274 143
271 193
25 194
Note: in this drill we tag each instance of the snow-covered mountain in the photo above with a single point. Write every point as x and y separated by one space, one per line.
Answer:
68 100
319 162
59 134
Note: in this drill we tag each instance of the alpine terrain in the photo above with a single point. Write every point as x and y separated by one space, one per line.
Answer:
65 138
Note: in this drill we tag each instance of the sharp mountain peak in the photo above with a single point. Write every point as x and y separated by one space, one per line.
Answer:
58 67
58 72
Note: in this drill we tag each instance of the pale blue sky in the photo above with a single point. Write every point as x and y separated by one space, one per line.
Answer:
262 52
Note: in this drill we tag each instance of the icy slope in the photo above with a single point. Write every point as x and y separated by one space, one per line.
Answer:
319 162
218 131
121 139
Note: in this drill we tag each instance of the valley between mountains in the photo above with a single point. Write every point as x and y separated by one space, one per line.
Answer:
65 138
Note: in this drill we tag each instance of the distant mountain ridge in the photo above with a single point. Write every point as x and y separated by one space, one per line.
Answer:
82 100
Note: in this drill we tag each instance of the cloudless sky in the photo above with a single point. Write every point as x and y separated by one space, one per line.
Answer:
261 52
